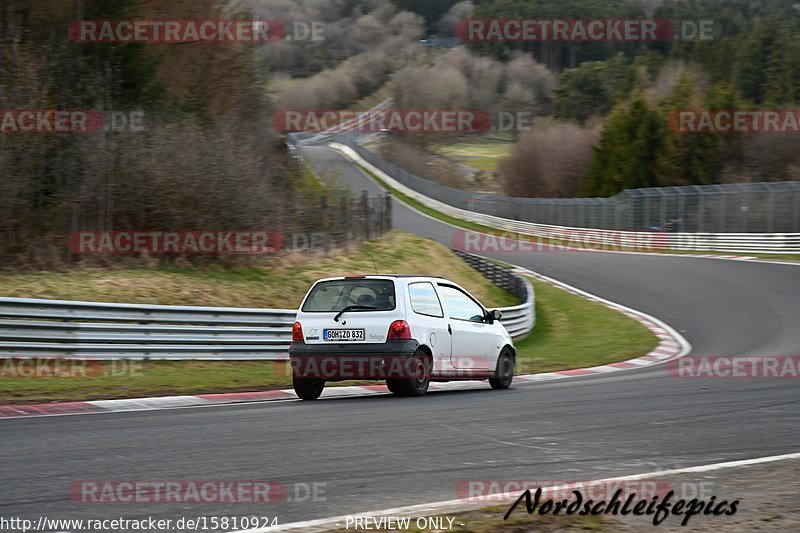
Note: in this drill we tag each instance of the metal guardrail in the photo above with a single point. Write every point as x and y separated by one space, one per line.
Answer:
55 328
361 121
738 243
519 320
752 208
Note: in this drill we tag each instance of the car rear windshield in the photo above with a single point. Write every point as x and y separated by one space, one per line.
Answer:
361 294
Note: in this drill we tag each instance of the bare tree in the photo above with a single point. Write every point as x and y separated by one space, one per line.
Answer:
449 22
550 161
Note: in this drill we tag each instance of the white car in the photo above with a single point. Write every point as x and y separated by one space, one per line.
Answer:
406 330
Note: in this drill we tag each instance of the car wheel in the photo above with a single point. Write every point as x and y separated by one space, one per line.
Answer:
504 373
419 368
392 385
308 389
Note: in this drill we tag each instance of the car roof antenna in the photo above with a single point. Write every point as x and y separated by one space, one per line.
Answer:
373 264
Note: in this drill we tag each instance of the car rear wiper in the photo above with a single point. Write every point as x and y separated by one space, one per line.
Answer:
353 308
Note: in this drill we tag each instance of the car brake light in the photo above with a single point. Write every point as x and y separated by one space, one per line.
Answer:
399 330
297 332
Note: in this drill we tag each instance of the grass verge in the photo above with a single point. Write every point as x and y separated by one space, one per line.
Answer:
473 226
279 283
571 332
481 154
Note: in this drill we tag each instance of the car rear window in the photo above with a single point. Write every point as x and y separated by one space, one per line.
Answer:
333 296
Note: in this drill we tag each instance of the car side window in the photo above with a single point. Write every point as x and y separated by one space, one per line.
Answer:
424 300
459 305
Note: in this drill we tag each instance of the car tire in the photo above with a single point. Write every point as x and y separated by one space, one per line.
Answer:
504 373
419 366
308 389
392 385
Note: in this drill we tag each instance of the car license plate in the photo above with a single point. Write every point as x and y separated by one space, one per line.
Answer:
343 335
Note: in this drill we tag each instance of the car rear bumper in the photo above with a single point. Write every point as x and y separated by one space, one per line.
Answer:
337 362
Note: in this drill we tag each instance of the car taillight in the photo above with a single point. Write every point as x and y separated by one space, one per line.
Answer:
297 332
398 331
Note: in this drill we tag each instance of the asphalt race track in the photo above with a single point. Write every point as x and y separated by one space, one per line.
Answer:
380 452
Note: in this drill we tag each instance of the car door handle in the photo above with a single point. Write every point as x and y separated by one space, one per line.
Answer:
449 329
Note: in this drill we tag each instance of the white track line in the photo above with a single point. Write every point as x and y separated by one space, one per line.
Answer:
451 506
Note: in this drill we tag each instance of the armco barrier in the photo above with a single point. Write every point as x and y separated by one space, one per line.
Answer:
520 319
54 328
739 243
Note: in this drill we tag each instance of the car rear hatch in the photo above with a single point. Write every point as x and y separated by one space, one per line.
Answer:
353 310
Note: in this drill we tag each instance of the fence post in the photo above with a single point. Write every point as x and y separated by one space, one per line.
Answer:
323 202
355 213
344 204
770 210
365 213
744 212
75 223
387 211
701 206
796 225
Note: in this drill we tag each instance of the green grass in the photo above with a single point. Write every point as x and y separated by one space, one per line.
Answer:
138 379
486 164
481 155
281 282
572 332
476 149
